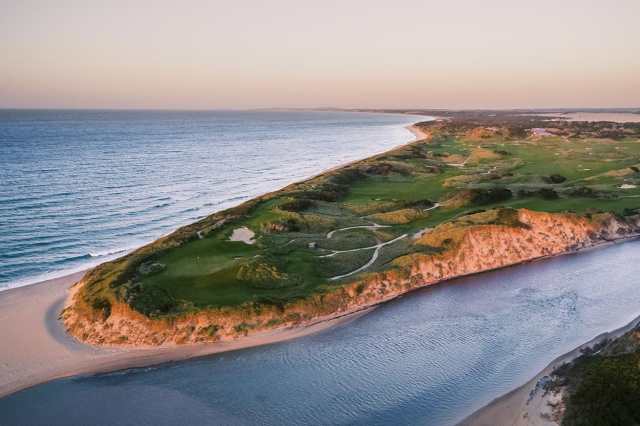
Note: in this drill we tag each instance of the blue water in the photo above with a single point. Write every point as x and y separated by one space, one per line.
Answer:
80 187
429 358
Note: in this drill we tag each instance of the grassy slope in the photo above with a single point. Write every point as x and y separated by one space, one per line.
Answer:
198 267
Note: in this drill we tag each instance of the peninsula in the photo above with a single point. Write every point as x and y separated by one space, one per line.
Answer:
479 190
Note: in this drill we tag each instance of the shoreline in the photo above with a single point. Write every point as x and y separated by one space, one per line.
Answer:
526 404
417 133
41 350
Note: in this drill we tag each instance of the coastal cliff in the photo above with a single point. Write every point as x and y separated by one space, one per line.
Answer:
472 244
477 193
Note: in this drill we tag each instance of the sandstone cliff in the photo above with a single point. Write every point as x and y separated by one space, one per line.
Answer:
473 244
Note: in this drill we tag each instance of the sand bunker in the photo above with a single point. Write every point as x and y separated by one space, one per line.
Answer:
243 234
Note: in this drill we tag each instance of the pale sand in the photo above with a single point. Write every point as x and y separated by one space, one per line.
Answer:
516 409
243 234
417 132
36 348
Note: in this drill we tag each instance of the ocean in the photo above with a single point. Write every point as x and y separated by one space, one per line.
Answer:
79 187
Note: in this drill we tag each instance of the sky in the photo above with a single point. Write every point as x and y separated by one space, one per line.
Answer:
303 53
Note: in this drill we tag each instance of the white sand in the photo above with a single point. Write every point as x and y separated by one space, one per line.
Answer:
243 234
417 132
36 348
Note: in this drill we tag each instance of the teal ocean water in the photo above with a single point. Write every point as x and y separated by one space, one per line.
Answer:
81 187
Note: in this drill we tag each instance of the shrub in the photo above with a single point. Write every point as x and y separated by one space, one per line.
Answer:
101 304
555 178
546 193
347 176
491 195
151 300
297 205
418 204
583 191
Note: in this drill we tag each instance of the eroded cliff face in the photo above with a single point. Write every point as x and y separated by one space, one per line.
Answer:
466 249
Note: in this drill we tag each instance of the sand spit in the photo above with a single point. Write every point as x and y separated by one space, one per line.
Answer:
37 349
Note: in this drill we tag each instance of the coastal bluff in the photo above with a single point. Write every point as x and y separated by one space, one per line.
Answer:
472 244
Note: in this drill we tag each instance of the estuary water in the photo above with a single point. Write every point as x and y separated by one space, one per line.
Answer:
429 358
78 188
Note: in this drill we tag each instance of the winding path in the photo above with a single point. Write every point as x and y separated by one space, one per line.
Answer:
374 257
435 206
376 248
372 226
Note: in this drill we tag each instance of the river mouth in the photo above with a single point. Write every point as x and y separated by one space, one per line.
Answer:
430 357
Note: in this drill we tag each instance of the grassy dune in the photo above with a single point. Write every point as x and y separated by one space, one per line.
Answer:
468 164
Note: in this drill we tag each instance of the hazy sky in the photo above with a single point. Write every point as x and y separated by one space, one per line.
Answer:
369 53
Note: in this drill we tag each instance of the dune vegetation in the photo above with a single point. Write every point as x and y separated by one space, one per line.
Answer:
317 235
601 387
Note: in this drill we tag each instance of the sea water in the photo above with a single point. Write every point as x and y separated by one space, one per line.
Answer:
78 188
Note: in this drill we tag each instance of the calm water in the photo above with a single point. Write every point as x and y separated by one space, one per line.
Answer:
429 358
81 187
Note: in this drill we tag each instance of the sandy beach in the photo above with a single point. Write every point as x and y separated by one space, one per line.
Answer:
528 405
37 349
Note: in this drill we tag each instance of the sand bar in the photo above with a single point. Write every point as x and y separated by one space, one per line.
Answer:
37 349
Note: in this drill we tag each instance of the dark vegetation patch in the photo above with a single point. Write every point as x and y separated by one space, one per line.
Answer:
490 195
583 192
553 179
603 391
385 169
418 204
151 301
544 193
297 205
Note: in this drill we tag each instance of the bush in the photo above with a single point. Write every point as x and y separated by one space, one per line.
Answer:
418 204
545 193
347 176
101 304
151 300
330 192
554 178
583 191
297 205
607 392
491 195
